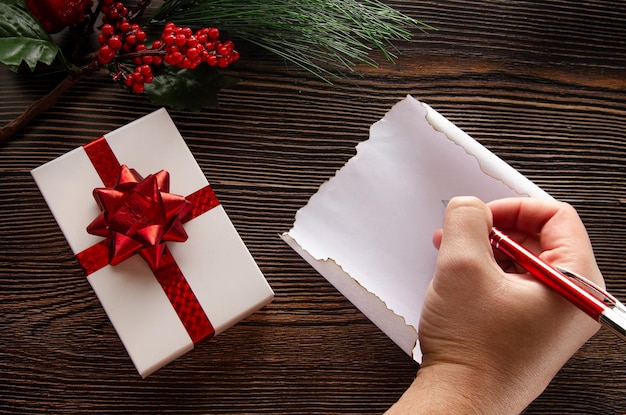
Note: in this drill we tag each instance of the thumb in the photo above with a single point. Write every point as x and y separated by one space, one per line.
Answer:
465 239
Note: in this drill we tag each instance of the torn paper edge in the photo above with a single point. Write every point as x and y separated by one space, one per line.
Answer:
489 163
392 324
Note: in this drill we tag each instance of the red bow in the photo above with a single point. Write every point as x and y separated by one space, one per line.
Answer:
139 215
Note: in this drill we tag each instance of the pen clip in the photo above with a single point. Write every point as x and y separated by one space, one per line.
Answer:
614 317
593 289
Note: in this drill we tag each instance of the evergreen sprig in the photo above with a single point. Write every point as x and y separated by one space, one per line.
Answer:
325 37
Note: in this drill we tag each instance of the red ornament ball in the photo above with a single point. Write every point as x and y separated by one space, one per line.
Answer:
56 15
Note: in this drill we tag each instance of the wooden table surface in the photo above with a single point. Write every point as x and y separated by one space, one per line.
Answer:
542 84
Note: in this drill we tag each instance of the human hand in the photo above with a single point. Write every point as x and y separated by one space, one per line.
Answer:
492 340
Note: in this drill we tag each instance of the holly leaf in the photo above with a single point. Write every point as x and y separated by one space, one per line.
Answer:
188 89
22 38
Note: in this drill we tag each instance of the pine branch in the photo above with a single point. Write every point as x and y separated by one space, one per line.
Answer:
325 37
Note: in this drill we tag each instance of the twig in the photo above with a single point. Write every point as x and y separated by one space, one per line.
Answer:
39 106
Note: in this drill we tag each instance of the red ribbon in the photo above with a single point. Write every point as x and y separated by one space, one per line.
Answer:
138 216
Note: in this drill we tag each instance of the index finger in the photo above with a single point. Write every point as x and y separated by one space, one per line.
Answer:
553 221
524 213
555 226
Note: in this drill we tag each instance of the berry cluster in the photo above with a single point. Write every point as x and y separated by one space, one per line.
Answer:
118 34
126 39
122 41
187 49
141 75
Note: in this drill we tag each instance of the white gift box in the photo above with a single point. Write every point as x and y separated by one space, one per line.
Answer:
214 260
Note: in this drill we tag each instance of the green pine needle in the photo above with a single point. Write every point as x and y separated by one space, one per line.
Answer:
323 37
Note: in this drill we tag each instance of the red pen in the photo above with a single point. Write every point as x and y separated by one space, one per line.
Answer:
587 296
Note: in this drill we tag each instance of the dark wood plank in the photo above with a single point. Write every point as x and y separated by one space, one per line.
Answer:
542 84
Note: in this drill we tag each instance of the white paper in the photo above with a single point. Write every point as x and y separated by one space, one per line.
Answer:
214 260
369 229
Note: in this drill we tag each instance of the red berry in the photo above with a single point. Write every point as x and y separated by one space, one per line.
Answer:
180 40
214 33
141 35
168 39
222 62
169 26
185 63
211 60
124 26
115 42
107 30
138 87
192 42
105 54
174 58
145 70
223 50
112 15
193 53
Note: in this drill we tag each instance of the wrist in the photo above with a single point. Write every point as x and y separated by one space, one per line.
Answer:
435 392
455 388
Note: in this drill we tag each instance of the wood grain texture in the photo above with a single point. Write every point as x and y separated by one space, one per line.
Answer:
542 84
